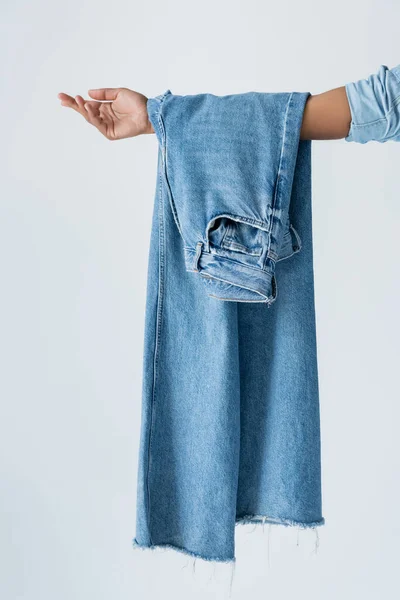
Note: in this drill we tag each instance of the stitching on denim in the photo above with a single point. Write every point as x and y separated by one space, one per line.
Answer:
278 178
237 262
237 299
164 156
278 181
260 224
160 306
241 286
241 219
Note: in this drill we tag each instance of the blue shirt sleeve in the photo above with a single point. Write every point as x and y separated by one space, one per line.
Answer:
375 107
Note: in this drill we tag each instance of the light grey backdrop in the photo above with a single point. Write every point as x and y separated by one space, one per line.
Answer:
74 234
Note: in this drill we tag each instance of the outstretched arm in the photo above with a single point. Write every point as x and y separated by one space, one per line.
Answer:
326 116
360 111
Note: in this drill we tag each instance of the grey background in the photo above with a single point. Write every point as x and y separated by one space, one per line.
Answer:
74 234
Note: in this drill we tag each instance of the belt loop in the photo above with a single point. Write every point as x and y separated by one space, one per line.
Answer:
199 246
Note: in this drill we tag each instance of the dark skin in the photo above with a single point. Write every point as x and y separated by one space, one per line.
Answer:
120 113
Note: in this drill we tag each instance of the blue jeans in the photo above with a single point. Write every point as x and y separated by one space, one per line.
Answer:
230 430
230 409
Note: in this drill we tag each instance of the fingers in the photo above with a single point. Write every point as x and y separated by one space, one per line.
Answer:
89 110
94 118
67 100
81 104
76 103
104 93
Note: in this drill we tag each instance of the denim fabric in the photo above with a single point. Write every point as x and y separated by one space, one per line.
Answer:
375 107
229 165
230 430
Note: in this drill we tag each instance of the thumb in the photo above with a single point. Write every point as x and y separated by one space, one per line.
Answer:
104 93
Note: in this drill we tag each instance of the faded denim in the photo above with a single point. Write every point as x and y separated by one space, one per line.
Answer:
230 414
230 430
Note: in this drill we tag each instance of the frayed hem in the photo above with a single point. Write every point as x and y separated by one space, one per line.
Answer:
256 519
182 550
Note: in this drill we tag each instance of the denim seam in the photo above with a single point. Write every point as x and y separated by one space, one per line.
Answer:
277 184
278 178
160 305
260 224
171 197
237 262
164 157
241 286
267 299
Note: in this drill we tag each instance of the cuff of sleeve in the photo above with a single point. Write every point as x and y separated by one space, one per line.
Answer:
374 106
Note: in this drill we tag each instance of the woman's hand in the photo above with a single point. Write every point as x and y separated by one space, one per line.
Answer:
123 116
